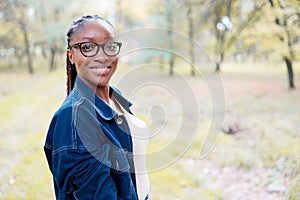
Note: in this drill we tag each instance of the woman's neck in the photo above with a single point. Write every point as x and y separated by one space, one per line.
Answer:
103 93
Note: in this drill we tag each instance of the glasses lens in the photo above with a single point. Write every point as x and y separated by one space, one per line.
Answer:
89 49
111 48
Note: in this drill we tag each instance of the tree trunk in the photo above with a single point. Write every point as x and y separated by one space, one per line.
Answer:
281 21
52 59
162 62
192 60
169 19
191 35
218 67
218 64
27 47
289 66
171 65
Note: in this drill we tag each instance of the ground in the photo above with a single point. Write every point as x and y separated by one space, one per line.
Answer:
258 161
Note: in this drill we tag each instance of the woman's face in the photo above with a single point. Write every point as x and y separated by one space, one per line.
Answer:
97 70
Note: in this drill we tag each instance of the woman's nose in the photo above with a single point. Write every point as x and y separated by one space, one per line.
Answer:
101 56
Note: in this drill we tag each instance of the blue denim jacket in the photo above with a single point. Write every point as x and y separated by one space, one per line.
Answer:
89 148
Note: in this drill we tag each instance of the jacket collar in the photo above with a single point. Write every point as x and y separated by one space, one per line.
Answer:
101 106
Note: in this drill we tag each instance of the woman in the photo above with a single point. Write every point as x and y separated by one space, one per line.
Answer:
95 146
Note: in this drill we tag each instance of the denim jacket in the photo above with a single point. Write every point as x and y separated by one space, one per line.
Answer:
89 148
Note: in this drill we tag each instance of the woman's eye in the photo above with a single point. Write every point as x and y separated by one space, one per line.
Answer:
88 47
111 47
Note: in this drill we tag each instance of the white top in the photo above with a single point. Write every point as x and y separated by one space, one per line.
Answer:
140 137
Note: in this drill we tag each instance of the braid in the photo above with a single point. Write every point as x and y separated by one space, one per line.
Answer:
71 75
74 28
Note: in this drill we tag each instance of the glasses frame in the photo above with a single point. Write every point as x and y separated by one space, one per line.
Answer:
119 44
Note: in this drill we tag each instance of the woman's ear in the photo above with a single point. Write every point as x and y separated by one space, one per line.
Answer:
70 56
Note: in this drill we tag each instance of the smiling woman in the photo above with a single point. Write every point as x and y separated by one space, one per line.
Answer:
94 146
93 66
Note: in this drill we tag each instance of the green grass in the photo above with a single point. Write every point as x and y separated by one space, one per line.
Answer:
171 182
25 114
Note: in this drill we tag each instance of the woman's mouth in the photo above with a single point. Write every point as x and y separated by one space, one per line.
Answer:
101 69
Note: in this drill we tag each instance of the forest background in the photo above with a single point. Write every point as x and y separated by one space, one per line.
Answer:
236 61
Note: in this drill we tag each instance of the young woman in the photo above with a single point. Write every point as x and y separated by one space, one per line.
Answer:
95 147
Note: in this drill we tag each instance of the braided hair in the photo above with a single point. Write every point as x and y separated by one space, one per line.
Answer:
73 30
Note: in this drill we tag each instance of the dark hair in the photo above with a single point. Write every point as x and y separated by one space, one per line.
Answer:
73 30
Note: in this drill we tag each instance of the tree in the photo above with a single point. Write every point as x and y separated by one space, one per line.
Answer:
287 18
228 19
190 5
169 13
50 34
17 14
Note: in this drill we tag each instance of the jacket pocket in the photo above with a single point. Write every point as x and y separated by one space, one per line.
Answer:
121 175
119 161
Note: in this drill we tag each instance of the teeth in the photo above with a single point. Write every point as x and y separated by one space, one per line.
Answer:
102 67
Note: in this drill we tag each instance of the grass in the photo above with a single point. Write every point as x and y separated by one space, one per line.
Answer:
25 114
264 152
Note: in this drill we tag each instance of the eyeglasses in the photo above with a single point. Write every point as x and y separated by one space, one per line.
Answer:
90 49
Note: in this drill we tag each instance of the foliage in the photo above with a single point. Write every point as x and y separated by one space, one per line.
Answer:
277 42
231 28
10 31
17 15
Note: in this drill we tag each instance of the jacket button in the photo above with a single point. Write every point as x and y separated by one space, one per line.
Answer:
119 121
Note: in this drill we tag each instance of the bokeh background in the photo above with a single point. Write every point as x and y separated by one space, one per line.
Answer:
217 81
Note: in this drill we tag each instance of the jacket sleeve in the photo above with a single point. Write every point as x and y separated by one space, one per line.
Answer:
80 173
80 160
